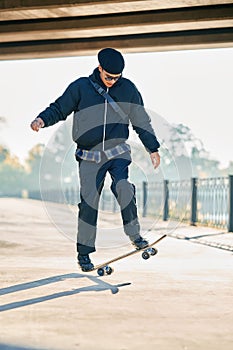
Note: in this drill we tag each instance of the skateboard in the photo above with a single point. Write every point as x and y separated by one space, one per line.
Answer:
106 269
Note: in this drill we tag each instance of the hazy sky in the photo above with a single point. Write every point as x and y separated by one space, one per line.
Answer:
194 88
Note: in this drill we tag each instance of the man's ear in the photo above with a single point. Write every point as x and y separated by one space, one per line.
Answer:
100 68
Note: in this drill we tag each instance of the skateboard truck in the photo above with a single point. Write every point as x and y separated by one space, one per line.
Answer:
105 270
148 252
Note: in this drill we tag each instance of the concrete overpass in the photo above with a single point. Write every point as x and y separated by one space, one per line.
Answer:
55 28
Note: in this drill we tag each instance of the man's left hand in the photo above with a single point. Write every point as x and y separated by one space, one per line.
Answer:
155 158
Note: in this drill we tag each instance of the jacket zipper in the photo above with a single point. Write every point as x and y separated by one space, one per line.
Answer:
105 118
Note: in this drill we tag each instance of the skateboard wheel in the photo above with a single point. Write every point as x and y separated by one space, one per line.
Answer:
100 272
109 270
145 255
153 251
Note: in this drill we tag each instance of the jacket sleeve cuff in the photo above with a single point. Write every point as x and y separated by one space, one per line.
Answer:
44 120
154 150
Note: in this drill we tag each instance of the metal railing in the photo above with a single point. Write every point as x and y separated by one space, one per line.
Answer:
213 201
197 201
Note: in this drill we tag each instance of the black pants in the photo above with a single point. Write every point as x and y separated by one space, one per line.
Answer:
92 176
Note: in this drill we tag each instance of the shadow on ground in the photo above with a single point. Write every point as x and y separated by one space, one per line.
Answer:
99 286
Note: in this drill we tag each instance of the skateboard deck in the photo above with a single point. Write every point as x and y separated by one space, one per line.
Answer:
106 269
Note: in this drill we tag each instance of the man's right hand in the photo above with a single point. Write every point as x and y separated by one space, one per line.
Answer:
37 123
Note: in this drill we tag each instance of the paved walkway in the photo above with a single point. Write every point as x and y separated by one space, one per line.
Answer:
180 299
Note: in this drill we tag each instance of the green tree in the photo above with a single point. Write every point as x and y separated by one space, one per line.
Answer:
4 153
12 173
33 162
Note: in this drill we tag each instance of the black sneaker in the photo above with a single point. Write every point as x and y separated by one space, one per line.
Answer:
140 243
85 263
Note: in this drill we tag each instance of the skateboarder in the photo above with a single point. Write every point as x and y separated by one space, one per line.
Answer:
100 130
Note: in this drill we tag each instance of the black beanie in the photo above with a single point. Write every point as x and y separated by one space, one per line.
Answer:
111 60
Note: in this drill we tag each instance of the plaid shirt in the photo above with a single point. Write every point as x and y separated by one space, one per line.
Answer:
95 156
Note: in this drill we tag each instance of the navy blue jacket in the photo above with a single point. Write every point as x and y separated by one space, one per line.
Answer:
95 122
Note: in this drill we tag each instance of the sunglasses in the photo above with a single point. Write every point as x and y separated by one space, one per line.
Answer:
110 78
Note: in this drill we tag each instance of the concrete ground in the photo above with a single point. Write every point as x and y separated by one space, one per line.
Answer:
180 299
